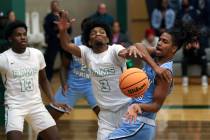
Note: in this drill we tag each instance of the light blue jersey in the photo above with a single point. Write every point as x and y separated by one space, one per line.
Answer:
144 127
148 96
79 83
78 74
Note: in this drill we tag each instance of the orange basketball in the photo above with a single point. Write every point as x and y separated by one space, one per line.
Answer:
133 82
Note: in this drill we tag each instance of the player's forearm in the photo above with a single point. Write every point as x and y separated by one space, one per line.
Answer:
64 39
152 107
63 76
47 90
45 85
67 46
146 57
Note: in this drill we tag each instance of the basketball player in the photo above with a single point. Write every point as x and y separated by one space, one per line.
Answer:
75 81
139 121
22 70
105 63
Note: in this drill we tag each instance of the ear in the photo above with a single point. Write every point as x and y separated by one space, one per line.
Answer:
174 49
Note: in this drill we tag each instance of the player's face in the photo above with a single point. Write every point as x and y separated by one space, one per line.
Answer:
165 46
98 37
19 38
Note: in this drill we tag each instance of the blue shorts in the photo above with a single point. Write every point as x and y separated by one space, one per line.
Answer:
137 130
72 96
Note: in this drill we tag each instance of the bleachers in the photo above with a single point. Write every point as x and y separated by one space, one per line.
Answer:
193 70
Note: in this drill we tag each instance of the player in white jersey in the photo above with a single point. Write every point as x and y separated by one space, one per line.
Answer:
105 62
23 70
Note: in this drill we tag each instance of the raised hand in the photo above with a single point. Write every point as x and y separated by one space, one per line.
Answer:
64 23
194 44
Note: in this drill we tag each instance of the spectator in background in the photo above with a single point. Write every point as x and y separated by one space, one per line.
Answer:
11 16
118 37
51 38
189 15
101 14
4 21
150 38
163 17
175 4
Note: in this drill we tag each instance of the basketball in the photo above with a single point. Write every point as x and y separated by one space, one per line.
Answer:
133 82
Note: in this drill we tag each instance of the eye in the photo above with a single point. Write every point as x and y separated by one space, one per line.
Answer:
92 33
102 32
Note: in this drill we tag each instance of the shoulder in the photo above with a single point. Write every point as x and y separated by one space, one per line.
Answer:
116 48
168 65
4 57
5 53
35 51
84 49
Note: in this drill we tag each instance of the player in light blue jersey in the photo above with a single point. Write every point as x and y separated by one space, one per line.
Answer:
139 121
75 83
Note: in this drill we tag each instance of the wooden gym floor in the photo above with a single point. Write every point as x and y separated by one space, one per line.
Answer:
184 116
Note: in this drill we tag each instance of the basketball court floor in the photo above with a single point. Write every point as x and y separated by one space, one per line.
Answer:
184 116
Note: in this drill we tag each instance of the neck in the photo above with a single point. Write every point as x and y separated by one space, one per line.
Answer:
161 60
19 50
100 49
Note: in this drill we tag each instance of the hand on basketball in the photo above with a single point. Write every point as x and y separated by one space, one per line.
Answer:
62 106
132 112
164 74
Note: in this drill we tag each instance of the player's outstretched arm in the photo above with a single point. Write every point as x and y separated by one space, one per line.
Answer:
63 24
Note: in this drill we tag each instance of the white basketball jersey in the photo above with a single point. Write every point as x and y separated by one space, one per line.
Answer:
20 74
105 69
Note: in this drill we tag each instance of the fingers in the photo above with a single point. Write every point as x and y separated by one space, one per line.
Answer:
194 44
65 107
135 52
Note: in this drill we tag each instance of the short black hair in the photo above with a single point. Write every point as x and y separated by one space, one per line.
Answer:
183 33
92 24
12 26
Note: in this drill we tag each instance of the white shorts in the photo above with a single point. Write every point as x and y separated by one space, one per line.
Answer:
108 121
36 115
